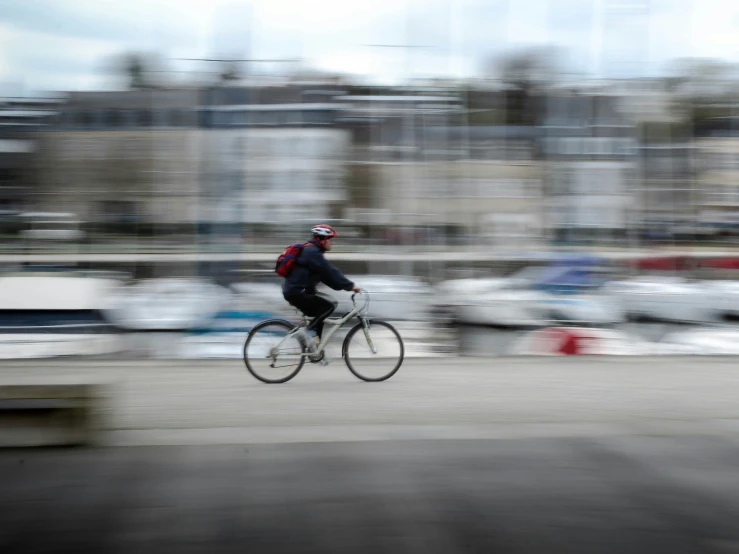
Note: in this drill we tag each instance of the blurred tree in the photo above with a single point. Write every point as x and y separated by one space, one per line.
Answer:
484 106
524 74
139 70
135 69
230 72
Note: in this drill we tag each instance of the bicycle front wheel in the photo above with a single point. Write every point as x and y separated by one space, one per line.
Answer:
384 361
270 355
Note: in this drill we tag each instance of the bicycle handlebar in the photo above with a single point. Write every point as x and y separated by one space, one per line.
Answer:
362 291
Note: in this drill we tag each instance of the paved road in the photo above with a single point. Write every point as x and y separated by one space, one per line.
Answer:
205 402
573 455
607 495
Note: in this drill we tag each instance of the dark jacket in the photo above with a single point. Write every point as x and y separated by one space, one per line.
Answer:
313 268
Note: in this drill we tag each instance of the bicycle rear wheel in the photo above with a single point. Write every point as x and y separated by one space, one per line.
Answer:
269 355
369 365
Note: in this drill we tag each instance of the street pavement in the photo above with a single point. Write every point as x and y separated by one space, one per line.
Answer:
181 402
509 455
612 494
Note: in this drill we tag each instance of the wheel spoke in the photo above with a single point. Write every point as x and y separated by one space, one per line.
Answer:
270 355
381 363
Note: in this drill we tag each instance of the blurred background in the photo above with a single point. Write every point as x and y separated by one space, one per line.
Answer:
494 169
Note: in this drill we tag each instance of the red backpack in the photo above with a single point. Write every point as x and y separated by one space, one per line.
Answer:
289 257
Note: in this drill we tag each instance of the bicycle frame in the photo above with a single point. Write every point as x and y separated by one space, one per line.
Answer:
335 323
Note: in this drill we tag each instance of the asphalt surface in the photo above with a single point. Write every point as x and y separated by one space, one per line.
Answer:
451 455
195 402
609 495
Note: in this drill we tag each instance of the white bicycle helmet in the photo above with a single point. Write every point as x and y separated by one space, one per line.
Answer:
324 231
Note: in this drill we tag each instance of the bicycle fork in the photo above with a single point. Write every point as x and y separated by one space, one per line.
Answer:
365 329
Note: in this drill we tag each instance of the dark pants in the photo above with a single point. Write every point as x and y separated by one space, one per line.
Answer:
318 306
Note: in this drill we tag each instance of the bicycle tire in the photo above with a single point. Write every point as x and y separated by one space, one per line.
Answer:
250 362
348 358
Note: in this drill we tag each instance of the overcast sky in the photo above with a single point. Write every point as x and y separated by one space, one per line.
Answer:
50 45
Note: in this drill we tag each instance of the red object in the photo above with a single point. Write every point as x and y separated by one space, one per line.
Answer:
568 341
664 263
570 344
287 260
720 263
564 341
325 231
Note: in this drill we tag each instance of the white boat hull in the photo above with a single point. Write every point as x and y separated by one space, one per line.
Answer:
505 309
666 299
27 346
166 304
50 292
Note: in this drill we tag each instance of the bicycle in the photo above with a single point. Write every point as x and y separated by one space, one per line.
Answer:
280 344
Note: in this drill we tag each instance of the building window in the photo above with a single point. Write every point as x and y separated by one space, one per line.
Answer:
114 118
262 118
176 118
317 117
144 118
84 119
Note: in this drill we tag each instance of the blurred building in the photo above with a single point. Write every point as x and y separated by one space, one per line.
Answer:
121 158
20 118
589 153
666 197
274 155
717 179
387 127
214 156
645 100
638 99
376 156
416 163
482 181
226 155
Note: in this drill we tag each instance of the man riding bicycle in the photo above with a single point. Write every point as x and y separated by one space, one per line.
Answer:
311 268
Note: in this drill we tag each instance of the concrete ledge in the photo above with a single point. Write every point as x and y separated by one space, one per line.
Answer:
40 414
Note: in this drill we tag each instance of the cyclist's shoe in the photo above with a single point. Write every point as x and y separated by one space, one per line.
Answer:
302 334
309 340
319 359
